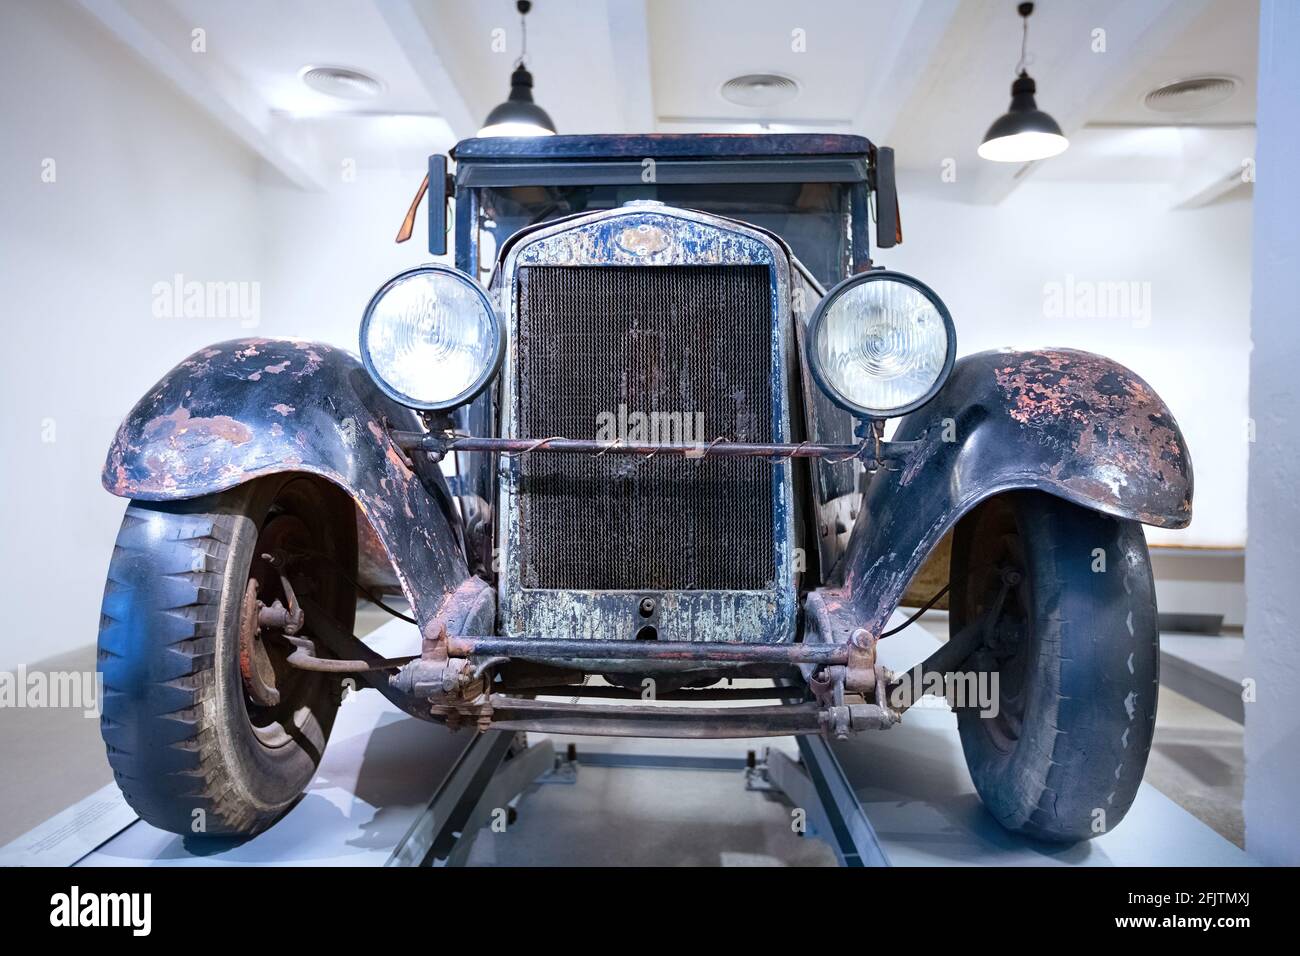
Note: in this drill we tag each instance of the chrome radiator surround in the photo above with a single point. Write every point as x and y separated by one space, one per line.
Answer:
650 235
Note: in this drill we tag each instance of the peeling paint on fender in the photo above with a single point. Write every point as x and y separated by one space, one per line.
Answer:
1068 423
215 422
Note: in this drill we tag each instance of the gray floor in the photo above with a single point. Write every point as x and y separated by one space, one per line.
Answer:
54 757
1196 762
649 817
1209 669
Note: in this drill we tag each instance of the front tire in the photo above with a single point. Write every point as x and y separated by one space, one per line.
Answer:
1075 650
191 750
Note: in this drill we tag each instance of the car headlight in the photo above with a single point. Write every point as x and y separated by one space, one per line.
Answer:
881 344
431 339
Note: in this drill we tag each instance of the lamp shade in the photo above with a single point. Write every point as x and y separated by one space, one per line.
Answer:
518 115
1024 132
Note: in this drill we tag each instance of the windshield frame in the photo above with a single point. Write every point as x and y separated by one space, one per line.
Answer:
654 161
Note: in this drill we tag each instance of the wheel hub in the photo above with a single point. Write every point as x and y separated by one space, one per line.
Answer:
254 661
268 575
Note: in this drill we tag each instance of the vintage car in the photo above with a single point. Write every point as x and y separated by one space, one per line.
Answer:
665 426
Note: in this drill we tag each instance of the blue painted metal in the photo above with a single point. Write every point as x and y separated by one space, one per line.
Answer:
646 236
660 145
437 205
246 408
1068 423
575 174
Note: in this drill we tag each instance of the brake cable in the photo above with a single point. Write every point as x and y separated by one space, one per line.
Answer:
924 607
361 589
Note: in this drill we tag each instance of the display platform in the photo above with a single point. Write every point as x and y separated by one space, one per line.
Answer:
631 801
1209 670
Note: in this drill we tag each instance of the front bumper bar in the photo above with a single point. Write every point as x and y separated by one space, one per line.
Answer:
549 650
871 451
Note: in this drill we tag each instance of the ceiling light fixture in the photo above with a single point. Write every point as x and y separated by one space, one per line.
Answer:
1023 133
1191 94
760 89
519 115
341 82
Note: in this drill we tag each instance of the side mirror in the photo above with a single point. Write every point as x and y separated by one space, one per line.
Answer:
438 185
889 224
438 189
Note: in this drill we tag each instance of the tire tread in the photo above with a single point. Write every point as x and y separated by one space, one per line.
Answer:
164 583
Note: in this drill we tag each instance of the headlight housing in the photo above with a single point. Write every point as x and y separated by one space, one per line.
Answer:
881 344
431 339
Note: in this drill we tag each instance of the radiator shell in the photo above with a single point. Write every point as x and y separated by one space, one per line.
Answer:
678 354
756 600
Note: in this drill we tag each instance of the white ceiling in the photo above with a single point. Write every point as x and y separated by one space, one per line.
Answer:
926 77
268 44
696 47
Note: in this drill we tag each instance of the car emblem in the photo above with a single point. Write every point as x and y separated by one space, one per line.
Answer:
643 240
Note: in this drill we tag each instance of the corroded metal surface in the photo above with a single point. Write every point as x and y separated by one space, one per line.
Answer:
651 235
251 407
1068 423
442 444
654 236
836 483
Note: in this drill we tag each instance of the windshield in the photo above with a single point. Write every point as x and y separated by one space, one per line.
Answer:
813 218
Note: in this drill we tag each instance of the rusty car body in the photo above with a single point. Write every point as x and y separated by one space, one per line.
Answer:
536 554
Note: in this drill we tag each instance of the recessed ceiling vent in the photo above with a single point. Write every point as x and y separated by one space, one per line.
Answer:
340 82
1192 94
760 89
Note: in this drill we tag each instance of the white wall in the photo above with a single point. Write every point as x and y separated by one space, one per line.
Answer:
992 266
325 253
1272 739
145 188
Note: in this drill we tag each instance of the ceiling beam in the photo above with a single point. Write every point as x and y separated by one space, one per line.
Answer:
901 59
418 41
1221 162
629 41
163 43
1135 32
1216 189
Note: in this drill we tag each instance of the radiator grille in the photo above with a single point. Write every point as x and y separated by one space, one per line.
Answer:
648 339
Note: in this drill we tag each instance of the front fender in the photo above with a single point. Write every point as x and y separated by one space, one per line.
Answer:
1068 423
252 407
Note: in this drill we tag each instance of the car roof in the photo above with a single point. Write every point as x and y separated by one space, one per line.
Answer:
679 158
659 146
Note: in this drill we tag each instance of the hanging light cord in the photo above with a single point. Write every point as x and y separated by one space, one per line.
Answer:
523 6
1025 10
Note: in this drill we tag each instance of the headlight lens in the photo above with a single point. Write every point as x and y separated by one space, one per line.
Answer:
430 338
881 344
